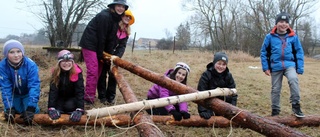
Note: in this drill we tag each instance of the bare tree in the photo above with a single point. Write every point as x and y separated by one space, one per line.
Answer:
242 25
61 17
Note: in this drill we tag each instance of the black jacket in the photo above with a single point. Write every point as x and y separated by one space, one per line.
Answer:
119 47
66 90
211 79
101 32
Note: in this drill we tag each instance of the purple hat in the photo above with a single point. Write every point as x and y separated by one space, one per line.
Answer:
10 44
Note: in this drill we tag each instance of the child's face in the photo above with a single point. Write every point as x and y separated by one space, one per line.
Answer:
66 65
15 55
282 27
181 75
119 8
220 66
126 19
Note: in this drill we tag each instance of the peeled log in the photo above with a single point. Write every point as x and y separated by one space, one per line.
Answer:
160 102
239 116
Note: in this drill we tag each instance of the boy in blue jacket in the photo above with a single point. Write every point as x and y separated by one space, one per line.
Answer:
19 82
282 55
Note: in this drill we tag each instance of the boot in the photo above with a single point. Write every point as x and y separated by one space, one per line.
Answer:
275 112
297 111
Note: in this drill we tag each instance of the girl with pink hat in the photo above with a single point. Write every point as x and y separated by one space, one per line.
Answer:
66 93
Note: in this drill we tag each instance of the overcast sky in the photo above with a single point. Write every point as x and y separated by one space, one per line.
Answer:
152 18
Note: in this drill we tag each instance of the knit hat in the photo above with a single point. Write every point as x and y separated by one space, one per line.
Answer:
129 13
282 16
121 2
65 55
183 66
220 56
10 44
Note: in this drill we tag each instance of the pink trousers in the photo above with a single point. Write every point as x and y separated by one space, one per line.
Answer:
94 68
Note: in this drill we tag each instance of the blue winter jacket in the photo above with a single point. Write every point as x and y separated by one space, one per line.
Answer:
279 54
27 80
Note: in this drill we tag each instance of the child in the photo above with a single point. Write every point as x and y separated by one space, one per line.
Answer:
179 74
66 93
282 55
217 75
107 94
97 37
19 82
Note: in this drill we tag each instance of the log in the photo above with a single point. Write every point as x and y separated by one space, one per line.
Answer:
160 102
194 121
142 120
44 119
239 116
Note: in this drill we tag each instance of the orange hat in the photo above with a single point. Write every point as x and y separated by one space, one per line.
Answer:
129 13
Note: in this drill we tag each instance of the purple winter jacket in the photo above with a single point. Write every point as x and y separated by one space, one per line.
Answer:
157 91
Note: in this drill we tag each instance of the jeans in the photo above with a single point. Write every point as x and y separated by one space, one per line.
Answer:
276 81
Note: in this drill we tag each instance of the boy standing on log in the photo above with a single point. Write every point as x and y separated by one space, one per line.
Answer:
217 75
282 55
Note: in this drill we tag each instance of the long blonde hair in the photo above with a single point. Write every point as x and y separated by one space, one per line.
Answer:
56 73
125 27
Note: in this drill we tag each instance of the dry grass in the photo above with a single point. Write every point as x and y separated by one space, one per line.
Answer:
253 87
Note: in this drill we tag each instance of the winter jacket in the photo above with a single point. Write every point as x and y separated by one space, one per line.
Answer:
119 45
279 53
211 79
69 87
100 31
157 91
26 81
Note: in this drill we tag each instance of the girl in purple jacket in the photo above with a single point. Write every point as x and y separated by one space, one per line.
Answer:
180 74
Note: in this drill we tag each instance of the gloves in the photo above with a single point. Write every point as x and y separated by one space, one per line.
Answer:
76 115
53 113
205 115
10 114
185 115
176 115
28 115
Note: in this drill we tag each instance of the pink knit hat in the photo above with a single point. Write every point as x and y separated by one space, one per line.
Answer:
65 55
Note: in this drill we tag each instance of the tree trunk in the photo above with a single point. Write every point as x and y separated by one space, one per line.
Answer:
239 116
160 102
194 121
142 120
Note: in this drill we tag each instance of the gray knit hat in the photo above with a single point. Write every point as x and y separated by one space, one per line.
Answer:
220 56
283 16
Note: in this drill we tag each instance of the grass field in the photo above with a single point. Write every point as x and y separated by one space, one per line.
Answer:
253 88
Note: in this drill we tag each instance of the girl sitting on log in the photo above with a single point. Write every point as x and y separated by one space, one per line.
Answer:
66 93
179 74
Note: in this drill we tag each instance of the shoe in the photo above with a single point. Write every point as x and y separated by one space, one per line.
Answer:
297 111
103 101
275 112
86 102
111 102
